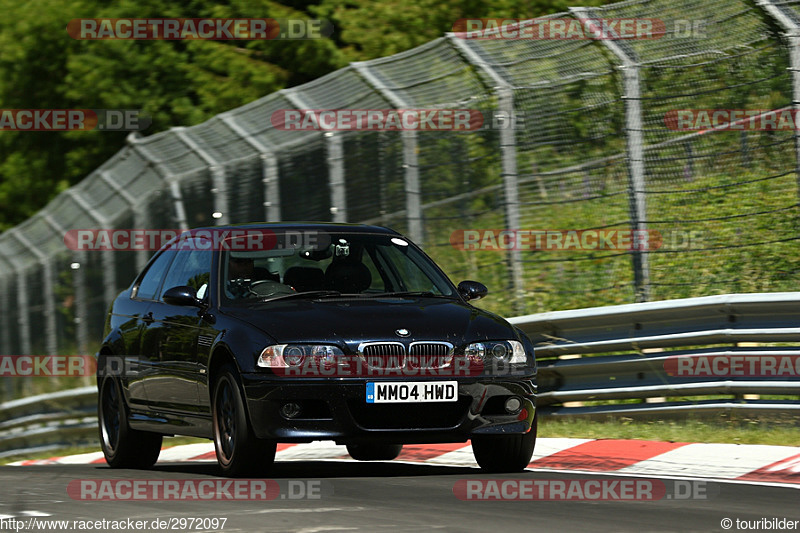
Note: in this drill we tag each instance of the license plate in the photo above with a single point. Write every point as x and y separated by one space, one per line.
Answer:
412 391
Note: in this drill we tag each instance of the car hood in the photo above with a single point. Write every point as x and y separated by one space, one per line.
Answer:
352 320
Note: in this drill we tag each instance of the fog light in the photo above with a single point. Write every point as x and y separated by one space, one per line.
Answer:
290 410
513 404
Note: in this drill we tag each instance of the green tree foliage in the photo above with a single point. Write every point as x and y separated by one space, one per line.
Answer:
174 82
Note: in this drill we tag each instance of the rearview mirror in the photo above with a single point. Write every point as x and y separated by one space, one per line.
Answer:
472 290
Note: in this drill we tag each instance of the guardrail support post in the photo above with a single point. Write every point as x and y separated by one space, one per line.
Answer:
635 149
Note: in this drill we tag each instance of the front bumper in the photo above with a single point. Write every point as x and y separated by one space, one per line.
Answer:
336 409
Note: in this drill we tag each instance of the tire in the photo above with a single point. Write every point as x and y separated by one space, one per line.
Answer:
239 452
122 446
508 453
374 452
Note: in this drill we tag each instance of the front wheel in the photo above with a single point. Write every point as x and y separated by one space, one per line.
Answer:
122 446
506 453
374 452
239 452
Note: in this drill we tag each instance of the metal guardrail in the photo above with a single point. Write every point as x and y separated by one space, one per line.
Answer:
573 370
48 421
569 347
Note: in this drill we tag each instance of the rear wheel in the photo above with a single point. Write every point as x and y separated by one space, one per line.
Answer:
374 452
506 453
122 446
239 452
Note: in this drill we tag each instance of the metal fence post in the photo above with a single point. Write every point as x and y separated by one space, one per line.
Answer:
336 177
269 169
81 309
635 149
5 327
51 345
106 257
272 189
218 177
169 179
5 330
413 191
140 220
79 288
414 214
508 147
791 26
23 312
136 205
335 162
80 292
5 309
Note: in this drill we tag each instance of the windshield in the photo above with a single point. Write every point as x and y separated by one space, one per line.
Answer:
324 264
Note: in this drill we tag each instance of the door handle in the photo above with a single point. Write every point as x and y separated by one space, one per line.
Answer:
148 318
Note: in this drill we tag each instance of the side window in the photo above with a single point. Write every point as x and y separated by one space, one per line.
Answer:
192 268
151 281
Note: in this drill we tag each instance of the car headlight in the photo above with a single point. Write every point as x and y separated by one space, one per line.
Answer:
497 351
295 355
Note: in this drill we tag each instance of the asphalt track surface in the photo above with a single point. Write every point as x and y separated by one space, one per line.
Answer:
387 496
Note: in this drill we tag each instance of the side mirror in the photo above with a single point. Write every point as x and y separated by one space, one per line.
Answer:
472 290
183 296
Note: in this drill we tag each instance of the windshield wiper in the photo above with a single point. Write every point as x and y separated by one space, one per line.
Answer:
306 294
406 293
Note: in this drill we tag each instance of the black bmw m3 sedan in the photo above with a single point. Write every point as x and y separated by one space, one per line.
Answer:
253 335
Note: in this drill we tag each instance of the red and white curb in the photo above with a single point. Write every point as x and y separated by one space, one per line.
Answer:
739 462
